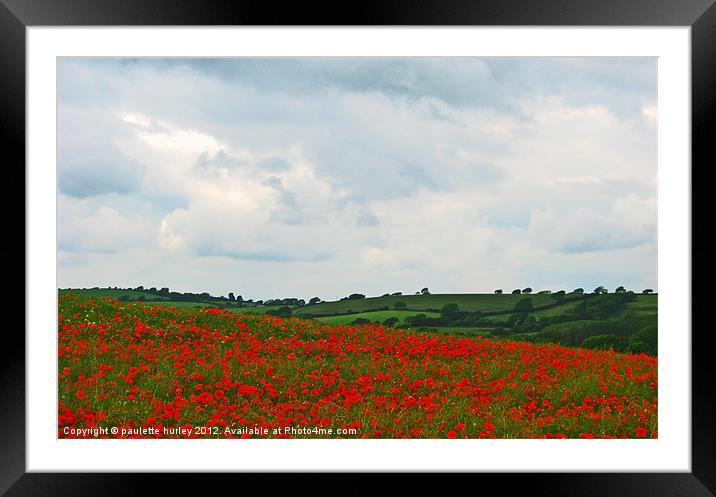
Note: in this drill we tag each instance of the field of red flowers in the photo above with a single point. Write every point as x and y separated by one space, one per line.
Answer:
146 371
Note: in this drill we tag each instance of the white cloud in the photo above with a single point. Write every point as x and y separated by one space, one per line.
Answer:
650 111
630 223
103 229
463 180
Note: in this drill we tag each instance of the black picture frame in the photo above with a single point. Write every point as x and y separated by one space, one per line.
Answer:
17 15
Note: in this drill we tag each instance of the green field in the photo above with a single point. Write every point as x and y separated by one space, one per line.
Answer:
564 322
465 301
373 316
644 305
556 310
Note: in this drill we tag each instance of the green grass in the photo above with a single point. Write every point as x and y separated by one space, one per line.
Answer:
556 310
465 301
374 316
643 305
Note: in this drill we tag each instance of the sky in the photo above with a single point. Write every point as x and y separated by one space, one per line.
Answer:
303 177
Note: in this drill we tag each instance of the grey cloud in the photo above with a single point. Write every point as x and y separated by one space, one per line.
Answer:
274 165
359 213
84 177
219 160
289 211
622 83
90 162
443 78
266 256
587 230
371 172
344 154
165 202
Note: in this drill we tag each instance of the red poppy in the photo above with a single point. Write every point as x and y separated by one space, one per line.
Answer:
390 383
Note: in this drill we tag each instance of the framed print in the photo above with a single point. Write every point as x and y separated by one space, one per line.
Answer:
420 240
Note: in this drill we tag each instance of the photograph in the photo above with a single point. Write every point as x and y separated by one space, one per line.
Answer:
374 247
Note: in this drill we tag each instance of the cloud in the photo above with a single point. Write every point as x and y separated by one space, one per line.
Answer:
630 223
623 84
89 176
326 176
90 162
83 228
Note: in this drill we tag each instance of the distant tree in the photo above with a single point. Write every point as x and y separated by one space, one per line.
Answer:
397 293
527 291
578 291
301 302
517 291
527 325
164 291
557 296
283 311
425 291
498 291
360 321
356 296
620 289
400 305
152 290
140 288
417 320
450 309
314 300
524 305
390 321
231 297
544 292
647 291
600 290
644 341
516 319
385 295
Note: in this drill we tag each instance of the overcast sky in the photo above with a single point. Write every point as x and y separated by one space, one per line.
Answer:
322 177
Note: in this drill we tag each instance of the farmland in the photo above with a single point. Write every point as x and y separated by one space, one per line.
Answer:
620 321
155 371
466 302
374 316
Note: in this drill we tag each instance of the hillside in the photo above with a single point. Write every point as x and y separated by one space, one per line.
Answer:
466 302
121 366
620 321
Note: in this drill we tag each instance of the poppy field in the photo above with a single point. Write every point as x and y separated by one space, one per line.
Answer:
141 370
